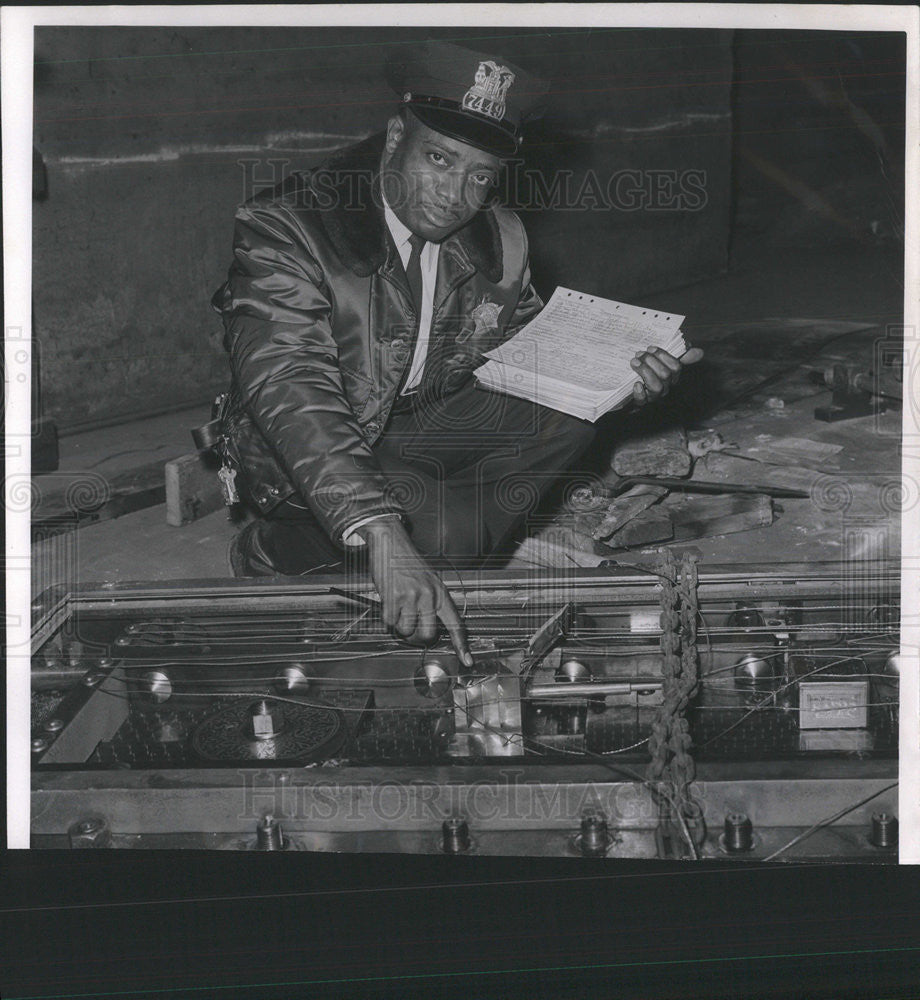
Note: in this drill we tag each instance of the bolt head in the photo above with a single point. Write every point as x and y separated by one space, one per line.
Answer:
89 832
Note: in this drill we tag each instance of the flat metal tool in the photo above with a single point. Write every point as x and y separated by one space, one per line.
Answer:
371 602
614 489
543 640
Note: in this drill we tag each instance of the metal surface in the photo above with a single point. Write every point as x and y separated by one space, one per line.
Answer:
751 669
593 838
455 834
738 837
884 831
856 392
190 713
90 833
599 688
268 730
268 835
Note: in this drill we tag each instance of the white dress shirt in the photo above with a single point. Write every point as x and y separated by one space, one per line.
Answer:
428 263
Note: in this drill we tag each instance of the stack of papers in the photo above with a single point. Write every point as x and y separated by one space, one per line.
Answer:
575 355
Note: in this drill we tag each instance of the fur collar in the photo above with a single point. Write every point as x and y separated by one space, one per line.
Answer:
349 184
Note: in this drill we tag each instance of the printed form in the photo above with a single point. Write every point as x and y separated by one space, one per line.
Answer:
587 340
575 355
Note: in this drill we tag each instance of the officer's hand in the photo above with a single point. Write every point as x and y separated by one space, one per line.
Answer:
412 595
659 371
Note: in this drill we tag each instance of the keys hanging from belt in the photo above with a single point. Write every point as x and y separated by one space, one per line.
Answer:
227 476
211 437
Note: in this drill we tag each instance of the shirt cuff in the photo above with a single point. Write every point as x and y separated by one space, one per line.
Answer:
356 541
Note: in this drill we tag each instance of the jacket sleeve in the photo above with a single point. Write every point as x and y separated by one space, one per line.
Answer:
529 302
285 361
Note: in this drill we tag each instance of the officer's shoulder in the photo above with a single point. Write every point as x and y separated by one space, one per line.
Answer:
504 215
509 222
292 192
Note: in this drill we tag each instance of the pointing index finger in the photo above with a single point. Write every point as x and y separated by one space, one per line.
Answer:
451 619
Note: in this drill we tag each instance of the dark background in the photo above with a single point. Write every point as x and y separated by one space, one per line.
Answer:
150 137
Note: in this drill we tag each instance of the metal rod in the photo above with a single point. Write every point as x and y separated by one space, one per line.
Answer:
371 602
699 486
590 689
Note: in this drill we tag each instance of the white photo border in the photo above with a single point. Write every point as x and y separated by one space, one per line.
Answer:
17 26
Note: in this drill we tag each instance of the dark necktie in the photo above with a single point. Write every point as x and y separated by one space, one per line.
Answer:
414 276
414 272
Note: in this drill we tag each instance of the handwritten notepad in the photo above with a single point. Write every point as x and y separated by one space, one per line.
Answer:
574 356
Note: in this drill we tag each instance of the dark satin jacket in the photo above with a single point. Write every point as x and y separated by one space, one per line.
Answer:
320 323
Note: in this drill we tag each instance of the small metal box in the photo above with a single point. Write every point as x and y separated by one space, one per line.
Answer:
833 704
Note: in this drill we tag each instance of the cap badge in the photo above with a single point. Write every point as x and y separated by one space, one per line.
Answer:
487 95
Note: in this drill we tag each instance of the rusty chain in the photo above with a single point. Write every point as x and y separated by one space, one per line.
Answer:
672 769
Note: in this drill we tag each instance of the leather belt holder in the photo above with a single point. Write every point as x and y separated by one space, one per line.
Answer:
208 435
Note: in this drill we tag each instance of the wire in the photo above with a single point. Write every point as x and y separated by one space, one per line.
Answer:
405 680
306 656
300 702
134 686
341 634
770 698
619 769
524 741
712 653
828 821
625 749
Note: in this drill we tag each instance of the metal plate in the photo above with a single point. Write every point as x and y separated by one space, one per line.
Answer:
306 734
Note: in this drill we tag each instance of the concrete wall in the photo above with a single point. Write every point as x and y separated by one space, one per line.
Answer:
150 137
819 137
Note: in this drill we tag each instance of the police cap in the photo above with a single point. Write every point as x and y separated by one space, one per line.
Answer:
477 98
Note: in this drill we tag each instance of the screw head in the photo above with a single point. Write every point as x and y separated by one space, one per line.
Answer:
90 832
53 725
92 678
40 745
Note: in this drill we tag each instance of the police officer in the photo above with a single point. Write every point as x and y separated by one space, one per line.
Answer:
361 298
